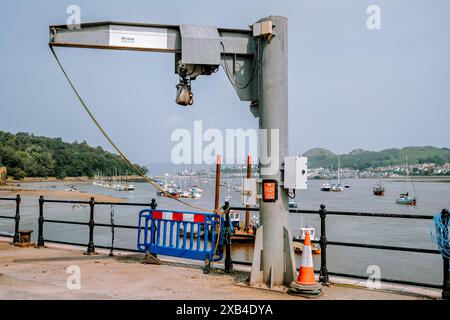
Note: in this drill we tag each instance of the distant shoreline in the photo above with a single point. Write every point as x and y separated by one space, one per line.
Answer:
421 179
445 179
141 179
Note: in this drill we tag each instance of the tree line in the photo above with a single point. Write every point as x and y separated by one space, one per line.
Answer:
361 159
25 155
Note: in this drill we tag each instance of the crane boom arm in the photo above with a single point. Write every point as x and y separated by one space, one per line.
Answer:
234 49
140 37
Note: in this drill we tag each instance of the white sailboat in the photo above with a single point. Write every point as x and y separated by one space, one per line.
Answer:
338 187
405 198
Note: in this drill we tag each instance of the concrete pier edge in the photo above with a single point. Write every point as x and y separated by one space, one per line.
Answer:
405 290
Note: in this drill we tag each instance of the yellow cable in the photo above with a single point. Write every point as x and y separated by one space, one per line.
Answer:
131 164
124 157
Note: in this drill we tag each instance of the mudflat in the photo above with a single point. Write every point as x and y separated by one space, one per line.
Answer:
12 191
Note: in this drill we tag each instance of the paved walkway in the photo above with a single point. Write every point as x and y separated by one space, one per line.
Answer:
31 273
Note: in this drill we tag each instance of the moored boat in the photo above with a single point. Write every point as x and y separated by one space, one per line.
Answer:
235 219
237 188
72 189
292 204
195 230
169 192
378 189
405 198
197 188
298 245
185 194
195 194
337 187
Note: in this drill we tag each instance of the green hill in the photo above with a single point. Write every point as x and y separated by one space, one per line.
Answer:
362 159
25 155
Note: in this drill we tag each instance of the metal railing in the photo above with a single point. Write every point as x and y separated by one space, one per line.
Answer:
324 273
91 224
16 218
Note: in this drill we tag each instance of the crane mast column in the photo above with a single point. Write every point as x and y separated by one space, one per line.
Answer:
275 258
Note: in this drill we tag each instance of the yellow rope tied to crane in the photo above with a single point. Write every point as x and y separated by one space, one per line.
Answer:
124 157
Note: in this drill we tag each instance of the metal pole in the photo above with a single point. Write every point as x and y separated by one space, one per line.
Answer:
278 265
40 242
91 247
249 175
446 284
153 205
217 197
111 252
446 271
17 219
227 231
323 246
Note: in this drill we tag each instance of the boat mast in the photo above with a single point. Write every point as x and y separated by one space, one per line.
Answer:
407 169
408 178
339 170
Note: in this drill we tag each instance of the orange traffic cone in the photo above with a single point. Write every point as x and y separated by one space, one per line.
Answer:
306 283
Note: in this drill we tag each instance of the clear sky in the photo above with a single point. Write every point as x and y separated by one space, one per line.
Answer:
349 87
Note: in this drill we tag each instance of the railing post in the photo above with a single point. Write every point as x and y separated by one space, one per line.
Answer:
40 242
153 205
91 247
323 277
17 219
227 233
446 284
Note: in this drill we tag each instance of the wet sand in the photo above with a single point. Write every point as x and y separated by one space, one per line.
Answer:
10 191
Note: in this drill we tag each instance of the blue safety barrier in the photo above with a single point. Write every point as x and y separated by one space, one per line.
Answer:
191 235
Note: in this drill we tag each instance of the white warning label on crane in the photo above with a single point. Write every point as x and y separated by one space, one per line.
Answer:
138 37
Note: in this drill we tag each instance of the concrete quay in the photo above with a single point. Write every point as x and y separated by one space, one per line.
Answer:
48 273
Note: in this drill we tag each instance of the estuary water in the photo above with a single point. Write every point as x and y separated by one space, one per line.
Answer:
432 198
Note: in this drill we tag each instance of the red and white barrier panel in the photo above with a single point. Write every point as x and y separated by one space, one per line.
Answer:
178 216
